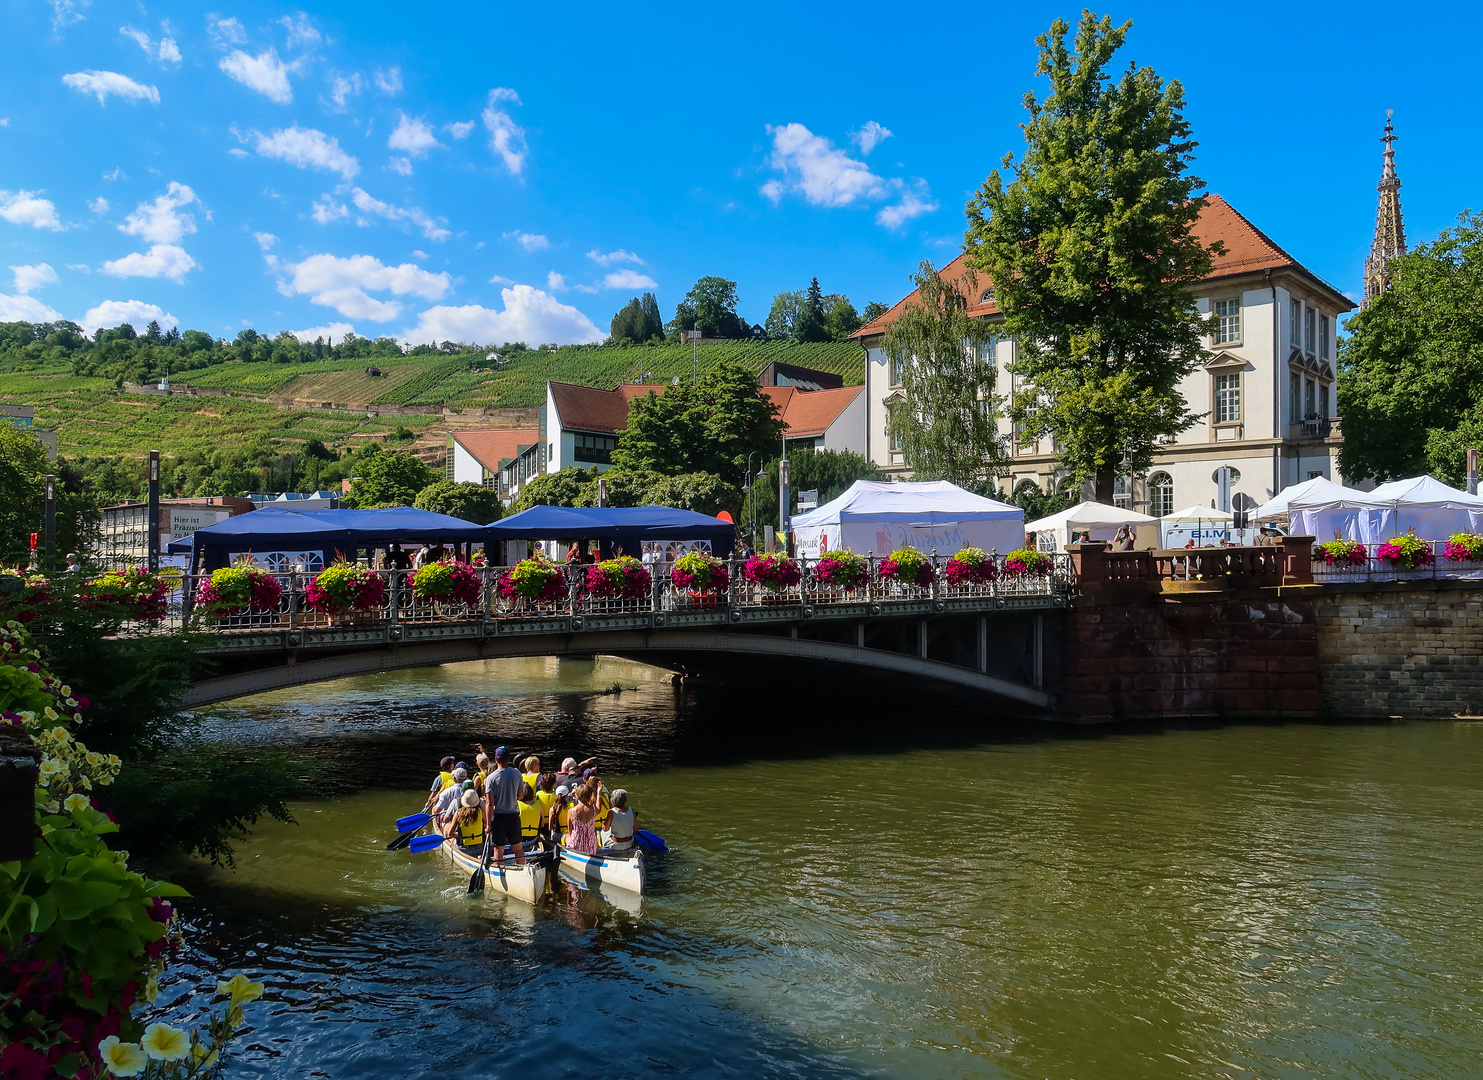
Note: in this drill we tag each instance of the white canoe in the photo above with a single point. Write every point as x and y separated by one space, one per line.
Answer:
624 871
526 882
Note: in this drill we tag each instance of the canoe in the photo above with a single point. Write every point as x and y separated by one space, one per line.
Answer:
624 871
622 899
526 882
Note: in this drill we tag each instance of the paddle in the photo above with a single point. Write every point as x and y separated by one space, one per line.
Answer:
650 841
412 821
426 843
476 879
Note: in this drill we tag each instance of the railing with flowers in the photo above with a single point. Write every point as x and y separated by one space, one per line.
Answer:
1401 558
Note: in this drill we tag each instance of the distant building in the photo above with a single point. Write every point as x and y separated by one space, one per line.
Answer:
124 529
24 417
502 459
295 500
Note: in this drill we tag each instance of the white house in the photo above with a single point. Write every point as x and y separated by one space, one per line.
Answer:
499 458
1266 391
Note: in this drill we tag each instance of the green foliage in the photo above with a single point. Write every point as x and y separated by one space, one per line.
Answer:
1091 253
809 326
873 310
782 317
810 316
1036 504
469 501
709 427
562 488
711 305
840 318
389 477
23 471
703 493
829 472
947 423
638 322
1411 364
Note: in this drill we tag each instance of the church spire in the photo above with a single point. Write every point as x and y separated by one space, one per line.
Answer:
1390 233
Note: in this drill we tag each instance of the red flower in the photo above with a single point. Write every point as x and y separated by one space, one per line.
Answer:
109 1025
19 1062
87 982
131 990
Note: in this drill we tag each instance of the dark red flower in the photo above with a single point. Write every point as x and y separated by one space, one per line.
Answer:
105 1027
160 911
20 1062
131 990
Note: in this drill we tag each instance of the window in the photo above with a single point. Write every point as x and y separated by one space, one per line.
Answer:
988 352
892 434
550 452
1323 336
1160 494
1121 495
1227 399
1227 321
1294 397
1323 402
1310 323
1295 322
595 449
895 369
1310 404
1314 474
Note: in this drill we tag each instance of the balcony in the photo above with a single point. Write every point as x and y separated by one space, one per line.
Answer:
1314 429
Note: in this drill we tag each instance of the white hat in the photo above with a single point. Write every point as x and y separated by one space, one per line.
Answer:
471 798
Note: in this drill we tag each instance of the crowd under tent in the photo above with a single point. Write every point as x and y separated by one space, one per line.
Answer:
928 516
659 532
281 540
1424 504
1098 520
1205 526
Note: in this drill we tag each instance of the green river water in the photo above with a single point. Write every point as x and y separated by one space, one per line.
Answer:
864 888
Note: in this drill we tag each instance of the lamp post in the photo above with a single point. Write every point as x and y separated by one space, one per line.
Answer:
153 547
49 555
1472 472
694 336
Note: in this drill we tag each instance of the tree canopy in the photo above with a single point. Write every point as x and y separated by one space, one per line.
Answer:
637 322
23 471
1411 364
471 502
1091 255
389 478
710 305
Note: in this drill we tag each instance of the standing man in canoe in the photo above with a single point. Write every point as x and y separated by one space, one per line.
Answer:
502 807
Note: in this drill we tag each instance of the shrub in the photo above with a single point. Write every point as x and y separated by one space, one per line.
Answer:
970 566
1464 547
447 579
533 579
1028 561
909 567
236 588
843 569
28 601
345 587
135 594
1342 553
700 572
623 578
773 570
1407 552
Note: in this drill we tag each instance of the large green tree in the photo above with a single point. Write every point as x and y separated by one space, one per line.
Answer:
388 478
945 420
471 502
783 315
710 427
840 317
23 471
1411 364
809 326
1091 252
710 305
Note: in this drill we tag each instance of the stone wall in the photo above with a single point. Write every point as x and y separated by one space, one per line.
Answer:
1411 649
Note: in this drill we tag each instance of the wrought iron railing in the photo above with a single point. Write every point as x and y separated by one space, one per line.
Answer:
1374 568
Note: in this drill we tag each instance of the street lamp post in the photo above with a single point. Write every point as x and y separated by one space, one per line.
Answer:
694 336
49 555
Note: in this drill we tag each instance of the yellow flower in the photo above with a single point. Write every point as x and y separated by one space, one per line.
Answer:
122 1058
152 989
239 989
165 1043
94 758
49 713
75 803
203 1055
60 733
50 767
114 761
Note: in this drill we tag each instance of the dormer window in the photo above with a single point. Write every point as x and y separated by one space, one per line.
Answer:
987 296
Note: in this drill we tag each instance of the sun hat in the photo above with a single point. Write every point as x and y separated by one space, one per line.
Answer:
470 798
563 790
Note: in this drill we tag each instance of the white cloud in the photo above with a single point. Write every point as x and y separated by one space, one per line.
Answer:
161 260
265 240
99 205
500 279
306 148
302 34
238 152
613 257
530 241
161 222
773 190
506 138
264 73
136 313
367 203
116 174
912 204
65 13
413 135
26 309
418 253
461 129
389 82
329 332
825 176
103 83
33 277
28 208
344 87
80 268
628 279
345 284
225 32
327 210
400 165
4 121
555 282
529 315
166 51
870 136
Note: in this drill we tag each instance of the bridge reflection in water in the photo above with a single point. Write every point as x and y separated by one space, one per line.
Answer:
986 638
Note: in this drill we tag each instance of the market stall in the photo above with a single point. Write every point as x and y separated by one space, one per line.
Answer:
929 516
1318 489
1426 505
1203 526
1095 521
658 530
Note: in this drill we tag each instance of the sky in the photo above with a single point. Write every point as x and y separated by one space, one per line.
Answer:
495 172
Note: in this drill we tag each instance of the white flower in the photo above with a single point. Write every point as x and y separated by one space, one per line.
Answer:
165 1043
75 803
50 767
122 1058
49 713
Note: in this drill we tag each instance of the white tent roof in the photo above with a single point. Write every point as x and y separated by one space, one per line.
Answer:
936 502
1318 490
1423 491
1088 515
1198 513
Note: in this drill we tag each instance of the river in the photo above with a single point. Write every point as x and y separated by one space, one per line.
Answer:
863 888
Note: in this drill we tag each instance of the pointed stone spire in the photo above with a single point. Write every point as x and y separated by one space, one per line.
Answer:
1390 233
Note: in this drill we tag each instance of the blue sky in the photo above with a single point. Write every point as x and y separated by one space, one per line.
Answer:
493 172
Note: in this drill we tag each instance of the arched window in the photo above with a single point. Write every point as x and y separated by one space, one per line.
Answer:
1026 487
1160 494
1068 485
986 296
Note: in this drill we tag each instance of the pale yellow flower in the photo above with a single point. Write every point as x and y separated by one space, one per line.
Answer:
239 989
94 758
201 1054
75 803
122 1058
165 1043
50 767
60 733
152 989
49 713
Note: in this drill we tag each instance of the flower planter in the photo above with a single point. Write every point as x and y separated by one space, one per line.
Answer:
703 600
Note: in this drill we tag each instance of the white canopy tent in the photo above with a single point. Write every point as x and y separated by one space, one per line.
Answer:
1434 510
1316 490
1205 525
931 516
1098 519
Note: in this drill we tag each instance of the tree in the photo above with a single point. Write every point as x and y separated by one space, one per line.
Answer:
628 324
829 472
387 477
701 492
711 305
1091 253
946 418
873 310
810 324
783 315
840 317
23 471
1411 364
471 502
653 326
709 427
1036 504
562 488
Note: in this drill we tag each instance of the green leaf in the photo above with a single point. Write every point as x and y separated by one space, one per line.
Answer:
78 900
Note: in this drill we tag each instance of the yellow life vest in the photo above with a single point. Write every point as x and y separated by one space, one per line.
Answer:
533 779
545 798
561 813
447 780
471 832
530 819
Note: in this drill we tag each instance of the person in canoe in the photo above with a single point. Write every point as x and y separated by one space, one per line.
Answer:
447 800
440 782
582 836
546 796
530 772
623 822
502 806
558 818
467 824
530 818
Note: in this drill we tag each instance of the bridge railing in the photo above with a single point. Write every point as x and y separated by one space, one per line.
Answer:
1373 568
400 605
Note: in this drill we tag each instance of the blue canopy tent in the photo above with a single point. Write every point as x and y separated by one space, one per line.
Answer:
629 526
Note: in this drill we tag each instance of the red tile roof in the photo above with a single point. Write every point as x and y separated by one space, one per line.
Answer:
806 412
493 446
1247 250
811 412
